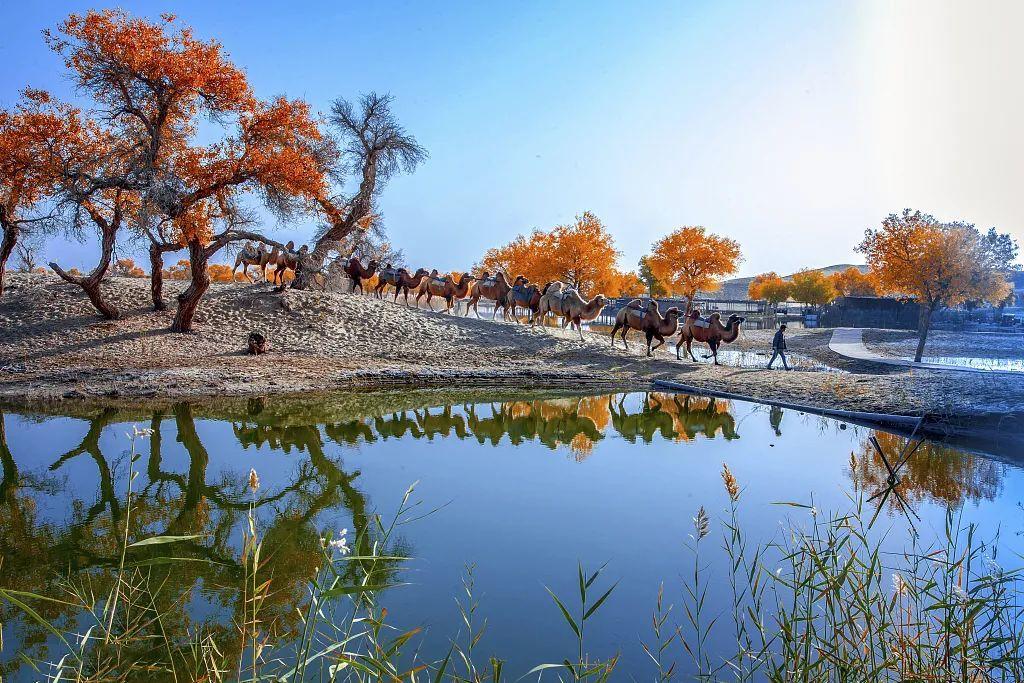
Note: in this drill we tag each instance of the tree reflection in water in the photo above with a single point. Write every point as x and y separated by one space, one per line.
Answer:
193 501
935 473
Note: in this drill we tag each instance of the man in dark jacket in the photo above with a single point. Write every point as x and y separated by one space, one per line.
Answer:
779 347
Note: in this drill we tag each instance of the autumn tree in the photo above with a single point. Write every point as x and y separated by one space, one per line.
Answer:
581 254
811 287
126 267
854 282
690 260
154 82
25 133
938 264
769 287
370 142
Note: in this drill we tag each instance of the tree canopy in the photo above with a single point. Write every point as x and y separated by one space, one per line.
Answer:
690 260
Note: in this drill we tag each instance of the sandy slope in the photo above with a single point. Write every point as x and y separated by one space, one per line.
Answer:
53 346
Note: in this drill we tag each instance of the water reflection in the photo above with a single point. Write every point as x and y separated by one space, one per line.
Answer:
935 473
65 512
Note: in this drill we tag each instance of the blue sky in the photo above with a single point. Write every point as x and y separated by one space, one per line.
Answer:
790 127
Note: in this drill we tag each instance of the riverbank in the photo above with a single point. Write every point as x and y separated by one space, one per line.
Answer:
54 348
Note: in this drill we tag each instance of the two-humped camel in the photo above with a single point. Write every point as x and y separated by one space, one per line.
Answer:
355 270
524 295
444 287
262 257
650 321
399 279
566 303
494 287
712 332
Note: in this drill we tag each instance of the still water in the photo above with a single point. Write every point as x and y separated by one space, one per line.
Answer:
525 485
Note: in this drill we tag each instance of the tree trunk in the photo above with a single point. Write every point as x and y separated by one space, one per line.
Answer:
924 322
91 282
156 277
188 301
6 247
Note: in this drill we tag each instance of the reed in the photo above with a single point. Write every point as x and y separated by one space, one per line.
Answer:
823 601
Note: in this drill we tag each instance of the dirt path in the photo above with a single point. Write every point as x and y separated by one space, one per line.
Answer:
54 347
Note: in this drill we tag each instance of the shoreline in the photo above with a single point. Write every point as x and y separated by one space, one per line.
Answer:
56 350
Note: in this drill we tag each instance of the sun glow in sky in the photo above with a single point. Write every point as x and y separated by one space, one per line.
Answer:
790 127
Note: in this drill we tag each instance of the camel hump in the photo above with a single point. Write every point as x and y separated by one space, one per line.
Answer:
635 303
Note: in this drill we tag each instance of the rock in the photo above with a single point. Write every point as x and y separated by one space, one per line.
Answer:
258 344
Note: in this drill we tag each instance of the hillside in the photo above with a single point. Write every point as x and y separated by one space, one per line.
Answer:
736 288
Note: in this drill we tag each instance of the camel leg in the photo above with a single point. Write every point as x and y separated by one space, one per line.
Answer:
614 330
622 335
678 344
661 340
689 350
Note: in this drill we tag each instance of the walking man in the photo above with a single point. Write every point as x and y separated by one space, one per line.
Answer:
779 347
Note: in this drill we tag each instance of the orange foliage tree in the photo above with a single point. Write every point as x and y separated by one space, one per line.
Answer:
582 254
125 267
153 81
690 260
811 287
853 282
938 264
770 287
182 270
221 272
25 132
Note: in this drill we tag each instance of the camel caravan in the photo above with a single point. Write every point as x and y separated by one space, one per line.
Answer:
515 299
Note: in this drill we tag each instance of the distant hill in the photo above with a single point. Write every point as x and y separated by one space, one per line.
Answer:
736 288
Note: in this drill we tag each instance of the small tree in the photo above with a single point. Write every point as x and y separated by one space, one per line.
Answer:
938 264
372 143
769 287
653 284
691 260
853 282
811 287
28 255
126 267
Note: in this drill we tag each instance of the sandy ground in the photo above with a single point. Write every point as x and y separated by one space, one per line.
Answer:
903 344
54 347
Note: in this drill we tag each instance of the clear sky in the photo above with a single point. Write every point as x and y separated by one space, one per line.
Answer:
790 127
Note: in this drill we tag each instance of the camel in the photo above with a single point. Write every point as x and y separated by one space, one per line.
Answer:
407 283
444 287
566 303
523 295
251 255
355 270
494 287
283 261
630 317
650 321
713 334
388 276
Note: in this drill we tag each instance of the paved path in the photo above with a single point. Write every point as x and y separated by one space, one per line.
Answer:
849 342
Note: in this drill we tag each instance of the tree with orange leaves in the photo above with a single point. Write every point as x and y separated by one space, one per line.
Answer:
582 254
126 267
770 287
152 81
690 260
853 282
25 182
938 264
811 287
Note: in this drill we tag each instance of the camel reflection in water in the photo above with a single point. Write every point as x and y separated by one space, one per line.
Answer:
194 500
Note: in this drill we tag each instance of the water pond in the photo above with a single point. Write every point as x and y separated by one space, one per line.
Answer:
520 486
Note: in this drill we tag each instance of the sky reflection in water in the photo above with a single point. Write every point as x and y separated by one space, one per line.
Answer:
527 485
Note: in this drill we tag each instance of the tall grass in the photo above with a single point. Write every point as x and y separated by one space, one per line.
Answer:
821 602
